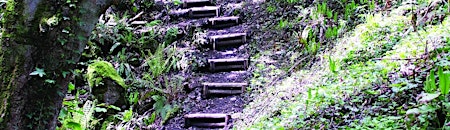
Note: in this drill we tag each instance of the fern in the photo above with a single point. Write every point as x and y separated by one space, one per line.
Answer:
85 115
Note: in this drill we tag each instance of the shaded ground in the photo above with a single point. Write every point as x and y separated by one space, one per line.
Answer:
192 102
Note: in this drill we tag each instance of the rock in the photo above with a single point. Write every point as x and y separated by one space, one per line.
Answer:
110 93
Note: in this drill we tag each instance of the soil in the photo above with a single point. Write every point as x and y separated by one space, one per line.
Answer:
193 101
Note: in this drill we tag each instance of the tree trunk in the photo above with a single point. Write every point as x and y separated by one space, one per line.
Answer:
41 34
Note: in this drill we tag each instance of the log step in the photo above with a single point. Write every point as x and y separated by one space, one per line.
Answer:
228 64
223 22
206 120
206 11
197 3
225 40
223 88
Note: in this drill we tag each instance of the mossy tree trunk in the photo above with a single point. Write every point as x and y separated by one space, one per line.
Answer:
47 35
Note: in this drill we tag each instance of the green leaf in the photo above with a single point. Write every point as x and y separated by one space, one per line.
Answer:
413 111
71 87
114 47
64 73
114 107
135 9
50 81
73 125
427 108
444 82
430 83
99 109
39 72
426 97
153 23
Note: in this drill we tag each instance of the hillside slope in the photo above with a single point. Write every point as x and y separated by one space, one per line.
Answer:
372 76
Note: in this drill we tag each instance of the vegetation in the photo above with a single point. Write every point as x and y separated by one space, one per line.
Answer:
379 75
326 64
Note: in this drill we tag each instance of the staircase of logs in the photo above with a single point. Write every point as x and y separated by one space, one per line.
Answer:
223 59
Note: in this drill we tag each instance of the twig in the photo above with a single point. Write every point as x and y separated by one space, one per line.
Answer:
135 17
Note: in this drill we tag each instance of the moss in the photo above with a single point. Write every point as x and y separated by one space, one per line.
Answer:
102 69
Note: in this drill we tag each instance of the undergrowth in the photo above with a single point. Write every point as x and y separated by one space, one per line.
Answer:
373 78
141 59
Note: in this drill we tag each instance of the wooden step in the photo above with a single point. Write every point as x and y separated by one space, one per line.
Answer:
225 40
206 11
223 22
223 88
197 3
228 64
206 120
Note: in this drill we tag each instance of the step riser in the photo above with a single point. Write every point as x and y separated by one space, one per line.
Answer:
223 23
203 14
197 4
223 66
206 121
209 92
228 41
210 89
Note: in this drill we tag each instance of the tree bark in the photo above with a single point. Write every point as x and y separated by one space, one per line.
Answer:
44 34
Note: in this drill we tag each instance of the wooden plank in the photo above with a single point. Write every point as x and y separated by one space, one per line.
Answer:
224 84
228 35
217 64
228 39
225 91
205 8
206 11
206 119
230 67
206 115
224 18
195 1
228 60
223 25
209 124
204 15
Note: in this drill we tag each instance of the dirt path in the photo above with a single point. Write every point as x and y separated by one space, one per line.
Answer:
216 92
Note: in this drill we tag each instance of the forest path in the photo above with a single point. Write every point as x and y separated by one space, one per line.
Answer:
216 92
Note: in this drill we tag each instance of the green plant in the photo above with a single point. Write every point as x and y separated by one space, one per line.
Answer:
312 47
270 8
332 65
133 97
171 35
430 83
444 81
160 106
76 118
292 1
127 115
283 23
331 32
102 69
177 2
159 63
323 9
349 9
